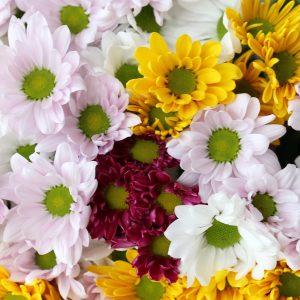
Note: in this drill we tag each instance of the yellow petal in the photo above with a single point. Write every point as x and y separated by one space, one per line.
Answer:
158 44
208 75
183 46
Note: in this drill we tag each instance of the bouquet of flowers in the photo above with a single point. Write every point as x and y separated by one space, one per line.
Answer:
149 149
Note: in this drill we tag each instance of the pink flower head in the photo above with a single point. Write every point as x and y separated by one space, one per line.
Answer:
52 203
38 75
97 116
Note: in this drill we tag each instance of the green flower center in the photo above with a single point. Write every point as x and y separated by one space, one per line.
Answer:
74 17
46 261
58 201
265 204
145 151
221 29
26 150
116 197
168 201
222 235
243 86
38 84
149 290
286 67
157 113
93 120
127 72
146 20
290 285
181 81
224 145
262 25
160 246
10 296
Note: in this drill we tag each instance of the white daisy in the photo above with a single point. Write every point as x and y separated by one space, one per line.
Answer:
203 20
219 236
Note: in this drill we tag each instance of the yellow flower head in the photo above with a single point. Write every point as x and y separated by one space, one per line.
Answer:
154 119
187 80
223 286
279 284
264 17
121 282
36 290
279 59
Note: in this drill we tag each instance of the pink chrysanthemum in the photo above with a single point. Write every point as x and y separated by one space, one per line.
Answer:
38 74
97 116
109 204
51 203
143 151
223 142
6 11
86 19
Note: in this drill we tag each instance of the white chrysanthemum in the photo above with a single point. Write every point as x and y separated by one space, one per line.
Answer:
294 110
52 203
116 56
203 20
220 236
223 142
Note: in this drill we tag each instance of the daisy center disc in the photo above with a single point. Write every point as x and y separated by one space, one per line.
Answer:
93 120
26 150
127 72
116 197
146 20
286 66
181 81
38 84
258 24
58 201
46 261
149 290
290 285
10 296
75 18
160 246
265 204
168 201
224 145
221 29
222 235
157 113
145 151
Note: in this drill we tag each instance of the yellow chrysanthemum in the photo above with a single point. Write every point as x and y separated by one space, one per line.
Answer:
279 284
187 80
154 119
263 16
279 59
223 286
36 290
121 282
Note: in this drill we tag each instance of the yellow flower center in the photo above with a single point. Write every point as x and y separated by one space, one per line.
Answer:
160 246
265 204
181 81
149 290
258 24
75 18
45 261
145 151
290 285
222 235
116 197
286 66
168 201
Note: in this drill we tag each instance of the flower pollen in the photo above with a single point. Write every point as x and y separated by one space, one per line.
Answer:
116 197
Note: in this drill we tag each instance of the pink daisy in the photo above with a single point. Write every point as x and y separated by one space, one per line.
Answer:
97 116
52 203
38 75
224 142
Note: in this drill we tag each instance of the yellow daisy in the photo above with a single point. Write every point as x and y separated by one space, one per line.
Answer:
263 16
121 282
154 119
223 286
279 59
187 80
36 290
282 283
